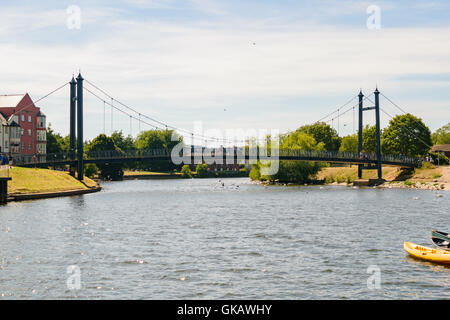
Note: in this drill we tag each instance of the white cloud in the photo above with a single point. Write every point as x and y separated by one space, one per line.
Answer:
177 71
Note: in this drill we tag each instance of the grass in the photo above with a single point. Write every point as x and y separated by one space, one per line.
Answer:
427 174
349 174
31 180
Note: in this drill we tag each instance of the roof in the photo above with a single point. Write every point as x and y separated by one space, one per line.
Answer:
10 100
441 147
3 119
14 124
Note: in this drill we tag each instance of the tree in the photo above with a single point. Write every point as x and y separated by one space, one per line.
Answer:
56 143
122 142
157 139
108 171
323 132
349 144
370 139
406 135
292 171
441 135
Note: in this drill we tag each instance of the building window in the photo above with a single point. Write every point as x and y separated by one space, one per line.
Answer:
29 132
29 118
29 146
22 118
22 131
23 146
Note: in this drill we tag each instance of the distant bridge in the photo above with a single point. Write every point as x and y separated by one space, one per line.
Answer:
236 155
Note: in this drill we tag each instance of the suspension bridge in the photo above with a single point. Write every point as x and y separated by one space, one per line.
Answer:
76 158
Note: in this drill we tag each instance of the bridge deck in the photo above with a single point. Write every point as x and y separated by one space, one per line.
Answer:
232 157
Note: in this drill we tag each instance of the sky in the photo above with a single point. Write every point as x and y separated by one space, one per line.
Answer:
237 64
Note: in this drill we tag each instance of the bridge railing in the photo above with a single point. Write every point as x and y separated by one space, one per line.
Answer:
241 153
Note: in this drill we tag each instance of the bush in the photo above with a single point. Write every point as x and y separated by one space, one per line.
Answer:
428 165
90 170
186 171
408 183
255 173
202 170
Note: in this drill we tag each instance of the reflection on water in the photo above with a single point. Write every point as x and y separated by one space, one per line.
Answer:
199 239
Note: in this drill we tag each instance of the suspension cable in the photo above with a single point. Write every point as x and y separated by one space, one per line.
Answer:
407 129
40 99
160 122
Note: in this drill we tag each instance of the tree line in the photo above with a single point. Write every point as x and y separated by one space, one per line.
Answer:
405 135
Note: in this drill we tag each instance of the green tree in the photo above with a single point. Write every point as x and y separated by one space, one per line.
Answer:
349 144
323 132
157 139
202 170
292 171
108 171
370 139
122 142
406 135
441 135
56 143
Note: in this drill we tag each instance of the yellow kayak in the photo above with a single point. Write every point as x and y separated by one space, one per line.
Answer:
428 254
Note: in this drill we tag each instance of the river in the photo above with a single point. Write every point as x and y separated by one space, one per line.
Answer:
197 239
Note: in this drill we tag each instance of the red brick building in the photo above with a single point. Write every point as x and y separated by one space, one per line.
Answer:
31 120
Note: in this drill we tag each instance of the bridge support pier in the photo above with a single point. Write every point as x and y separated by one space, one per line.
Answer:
360 132
72 136
80 150
4 190
377 124
378 133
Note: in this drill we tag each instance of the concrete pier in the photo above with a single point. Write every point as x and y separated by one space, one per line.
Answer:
368 182
4 190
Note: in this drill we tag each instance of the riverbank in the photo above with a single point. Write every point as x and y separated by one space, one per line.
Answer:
34 183
428 178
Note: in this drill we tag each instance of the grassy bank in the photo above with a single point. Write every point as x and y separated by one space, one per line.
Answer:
31 180
428 177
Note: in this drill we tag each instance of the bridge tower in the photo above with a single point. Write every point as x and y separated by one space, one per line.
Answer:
72 136
377 128
80 127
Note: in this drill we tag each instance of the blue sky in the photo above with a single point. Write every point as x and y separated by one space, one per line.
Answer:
230 64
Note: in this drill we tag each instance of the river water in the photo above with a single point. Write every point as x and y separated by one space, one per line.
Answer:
197 239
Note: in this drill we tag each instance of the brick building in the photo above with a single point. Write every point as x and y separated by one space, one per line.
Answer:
19 109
